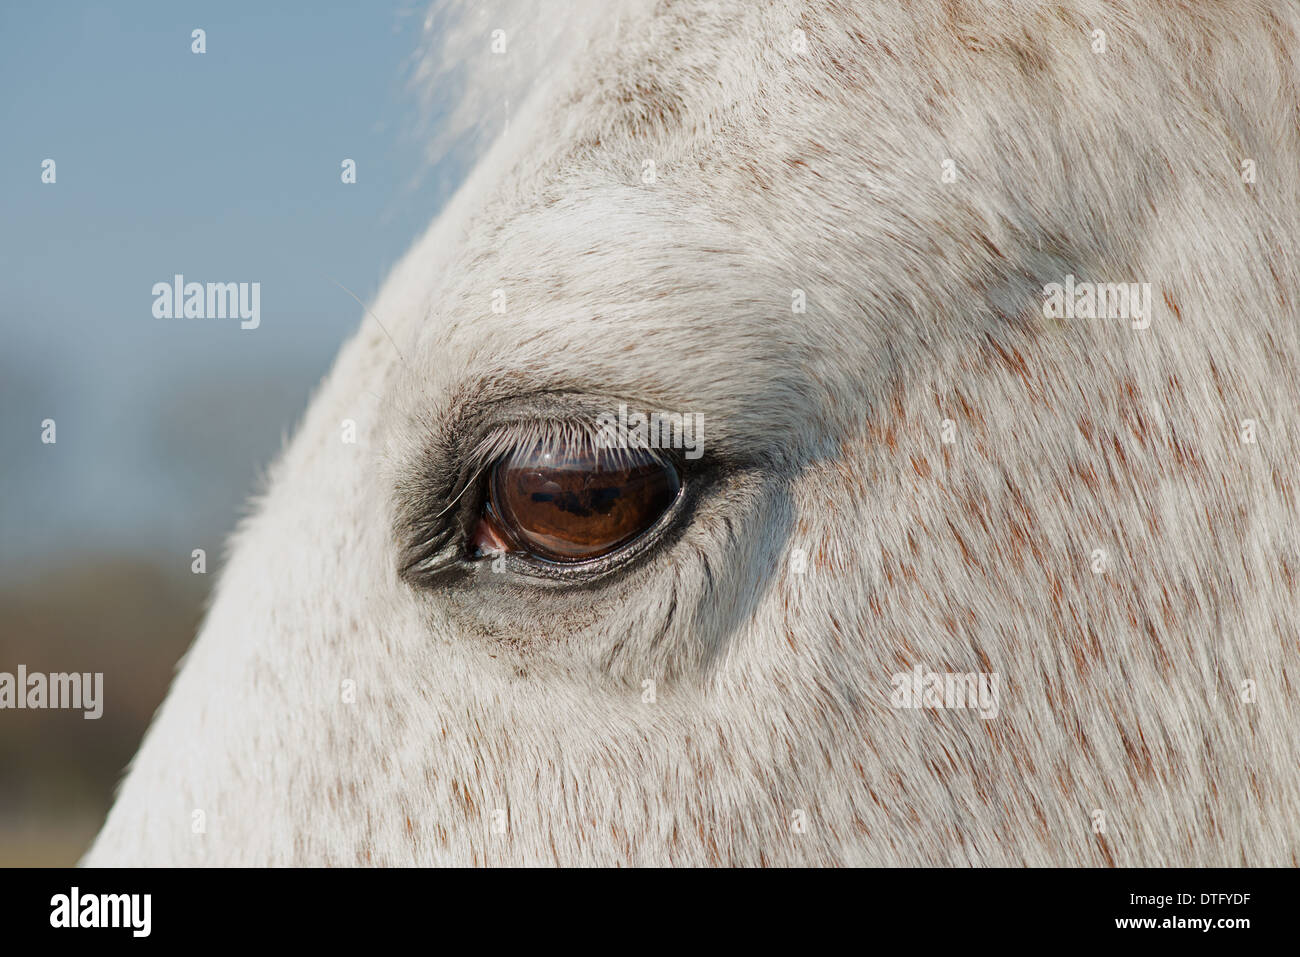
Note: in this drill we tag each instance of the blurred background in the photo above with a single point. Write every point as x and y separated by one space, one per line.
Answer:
223 166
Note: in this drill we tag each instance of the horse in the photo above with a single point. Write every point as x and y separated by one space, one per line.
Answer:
987 315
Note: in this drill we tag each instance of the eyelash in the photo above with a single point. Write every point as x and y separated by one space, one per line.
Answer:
525 435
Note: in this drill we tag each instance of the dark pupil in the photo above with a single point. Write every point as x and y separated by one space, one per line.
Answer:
570 506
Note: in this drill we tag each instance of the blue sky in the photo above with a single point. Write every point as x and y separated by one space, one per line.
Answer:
223 166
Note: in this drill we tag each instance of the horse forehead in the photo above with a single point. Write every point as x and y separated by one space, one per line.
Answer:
632 290
628 234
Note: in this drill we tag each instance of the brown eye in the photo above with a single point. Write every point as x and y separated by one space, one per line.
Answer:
571 504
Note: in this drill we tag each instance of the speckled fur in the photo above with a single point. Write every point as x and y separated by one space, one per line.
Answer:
820 171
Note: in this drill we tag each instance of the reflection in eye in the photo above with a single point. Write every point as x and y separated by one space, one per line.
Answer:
574 503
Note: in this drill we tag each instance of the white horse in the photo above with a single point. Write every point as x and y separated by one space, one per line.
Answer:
843 234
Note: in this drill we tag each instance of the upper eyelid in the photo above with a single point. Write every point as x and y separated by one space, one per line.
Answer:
491 415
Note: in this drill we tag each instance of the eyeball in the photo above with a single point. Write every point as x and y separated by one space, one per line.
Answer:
573 503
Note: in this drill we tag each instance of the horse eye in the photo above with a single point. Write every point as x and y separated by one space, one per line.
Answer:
571 504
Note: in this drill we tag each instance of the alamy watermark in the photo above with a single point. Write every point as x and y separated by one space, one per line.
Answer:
976 690
658 430
74 909
84 691
1098 300
179 299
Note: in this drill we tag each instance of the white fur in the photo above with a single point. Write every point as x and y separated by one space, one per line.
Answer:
821 171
